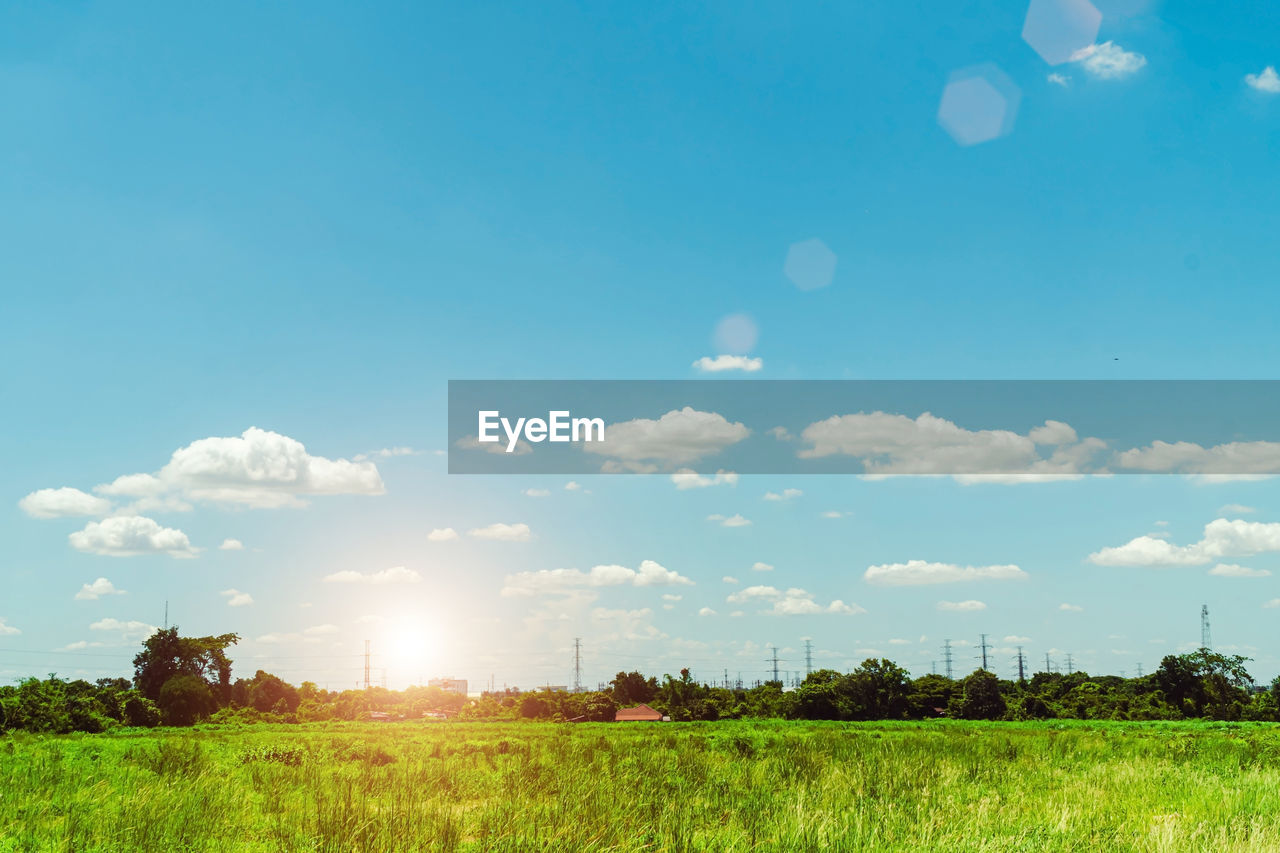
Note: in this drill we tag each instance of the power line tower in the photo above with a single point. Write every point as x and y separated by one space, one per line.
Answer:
366 664
1048 664
808 657
774 659
946 658
1206 642
1139 670
577 664
1022 664
1070 668
985 646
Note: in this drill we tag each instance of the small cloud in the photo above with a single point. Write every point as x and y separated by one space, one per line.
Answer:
1108 60
571 486
63 503
129 536
1268 81
898 641
442 534
77 645
320 630
1230 570
7 630
784 495
97 589
729 579
1273 603
1059 79
761 567
734 520
396 574
831 513
231 545
687 478
1071 608
537 493
1014 638
668 596
499 532
706 611
781 434
131 630
1236 509
961 606
721 363
236 598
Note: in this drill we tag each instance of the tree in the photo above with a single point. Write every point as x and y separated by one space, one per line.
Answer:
184 700
981 699
165 655
878 690
268 692
632 688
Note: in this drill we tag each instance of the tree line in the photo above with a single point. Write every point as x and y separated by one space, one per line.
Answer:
180 681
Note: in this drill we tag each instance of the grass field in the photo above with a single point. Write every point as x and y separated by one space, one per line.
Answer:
718 786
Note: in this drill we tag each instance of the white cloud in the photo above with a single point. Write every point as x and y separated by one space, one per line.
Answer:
1059 79
961 606
754 592
501 532
442 534
728 579
1071 608
680 437
669 596
231 545
722 363
898 641
7 630
1236 509
396 574
571 486
706 611
131 630
1273 603
544 581
236 598
130 535
761 567
628 624
1222 538
1108 60
735 520
1230 570
79 644
784 495
387 453
1267 81
687 478
537 493
1014 638
97 589
65 502
831 513
1240 458
922 573
259 468
792 602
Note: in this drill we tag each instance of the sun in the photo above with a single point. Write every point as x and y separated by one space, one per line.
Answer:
413 650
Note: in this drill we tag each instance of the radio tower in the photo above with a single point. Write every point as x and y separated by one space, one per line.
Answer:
985 646
1205 641
577 664
808 657
366 664
946 658
1022 663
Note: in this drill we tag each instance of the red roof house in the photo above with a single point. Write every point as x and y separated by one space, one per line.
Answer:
638 714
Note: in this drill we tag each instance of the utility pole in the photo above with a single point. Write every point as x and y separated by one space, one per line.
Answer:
1206 642
726 678
166 614
1022 662
985 646
577 664
366 664
946 658
808 657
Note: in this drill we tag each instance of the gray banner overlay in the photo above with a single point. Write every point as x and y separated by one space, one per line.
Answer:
967 429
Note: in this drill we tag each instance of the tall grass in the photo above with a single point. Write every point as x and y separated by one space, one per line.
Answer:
718 786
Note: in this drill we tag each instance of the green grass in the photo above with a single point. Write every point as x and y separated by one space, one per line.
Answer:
717 786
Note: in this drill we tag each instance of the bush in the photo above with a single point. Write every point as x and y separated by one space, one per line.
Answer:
185 700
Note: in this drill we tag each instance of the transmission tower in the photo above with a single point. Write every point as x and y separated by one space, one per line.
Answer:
985 646
946 657
577 664
1048 664
1139 670
1070 668
1206 642
366 664
1022 663
808 657
774 649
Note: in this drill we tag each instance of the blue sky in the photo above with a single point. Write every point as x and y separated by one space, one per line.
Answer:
308 219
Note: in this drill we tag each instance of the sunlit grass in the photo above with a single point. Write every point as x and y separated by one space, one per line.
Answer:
720 786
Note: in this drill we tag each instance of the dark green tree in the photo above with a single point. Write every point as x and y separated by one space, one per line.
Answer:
165 655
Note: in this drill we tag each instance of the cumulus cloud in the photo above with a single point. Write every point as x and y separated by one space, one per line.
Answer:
790 602
761 567
130 535
680 437
784 495
706 611
923 573
65 502
831 513
551 581
1272 604
396 574
7 630
1108 60
130 630
1014 638
259 469
961 606
735 520
320 630
687 478
1231 570
1241 458
1071 608
728 579
97 589
1266 81
721 363
537 493
890 444
442 534
231 545
501 532
236 598
1222 538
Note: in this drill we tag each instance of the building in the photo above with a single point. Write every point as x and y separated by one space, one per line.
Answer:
638 714
450 685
